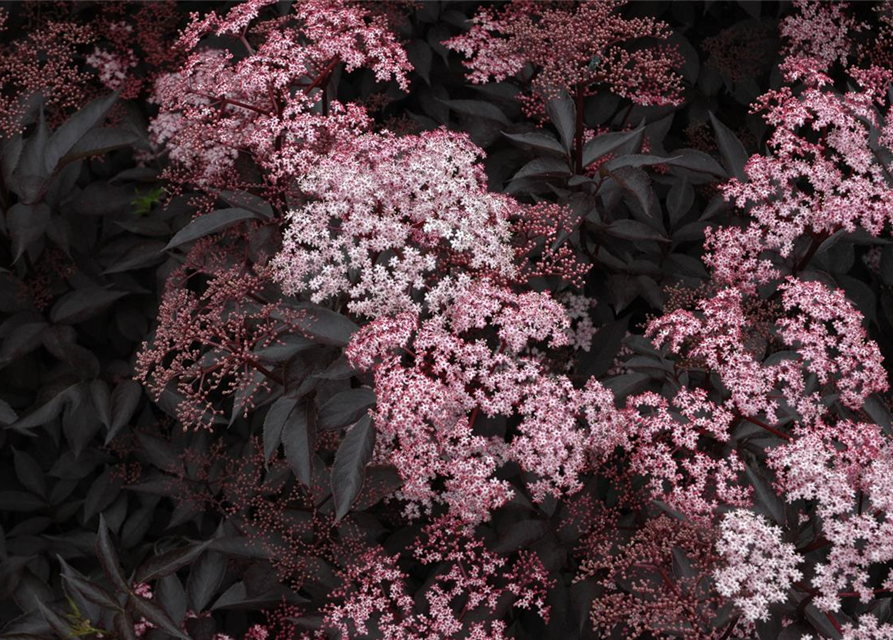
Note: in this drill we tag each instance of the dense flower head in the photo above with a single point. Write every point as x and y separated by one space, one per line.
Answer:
539 234
219 105
821 32
718 339
391 394
572 46
435 376
822 327
387 216
842 467
828 334
823 175
644 593
44 62
374 594
665 446
758 567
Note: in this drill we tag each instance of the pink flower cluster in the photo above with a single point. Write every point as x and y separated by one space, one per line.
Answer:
205 348
268 103
435 376
791 355
387 216
820 32
825 174
375 590
574 47
822 327
759 568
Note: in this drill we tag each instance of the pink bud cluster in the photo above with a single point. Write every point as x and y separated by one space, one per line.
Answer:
206 348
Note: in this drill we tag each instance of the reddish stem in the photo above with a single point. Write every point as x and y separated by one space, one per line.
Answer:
770 429
578 134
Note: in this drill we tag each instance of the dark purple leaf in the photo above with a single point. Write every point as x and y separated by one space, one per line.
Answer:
349 469
297 439
209 223
76 127
156 615
79 305
345 408
170 561
108 557
205 579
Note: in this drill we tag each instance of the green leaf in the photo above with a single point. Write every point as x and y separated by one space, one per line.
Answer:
210 223
76 127
346 408
349 469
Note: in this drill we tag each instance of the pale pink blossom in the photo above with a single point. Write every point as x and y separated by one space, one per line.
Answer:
759 568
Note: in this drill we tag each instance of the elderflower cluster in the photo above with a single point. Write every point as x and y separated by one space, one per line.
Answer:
386 214
759 568
573 46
